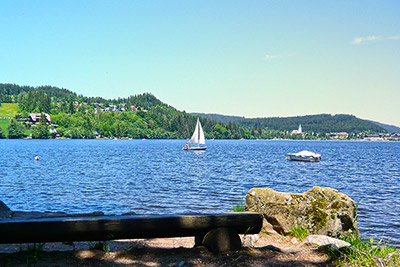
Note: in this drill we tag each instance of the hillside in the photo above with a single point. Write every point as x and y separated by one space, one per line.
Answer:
218 117
387 127
145 116
321 123
8 110
136 116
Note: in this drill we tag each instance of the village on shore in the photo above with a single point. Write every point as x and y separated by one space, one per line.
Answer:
34 119
49 112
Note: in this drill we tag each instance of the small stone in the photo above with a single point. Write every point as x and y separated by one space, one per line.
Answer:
273 248
323 240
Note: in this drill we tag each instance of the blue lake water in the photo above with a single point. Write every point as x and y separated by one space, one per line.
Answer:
157 177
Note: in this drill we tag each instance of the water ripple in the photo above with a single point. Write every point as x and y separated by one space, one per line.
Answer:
157 177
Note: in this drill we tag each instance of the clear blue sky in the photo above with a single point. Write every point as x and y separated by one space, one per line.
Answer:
246 58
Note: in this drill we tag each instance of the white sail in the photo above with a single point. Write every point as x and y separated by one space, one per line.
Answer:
202 139
198 135
195 136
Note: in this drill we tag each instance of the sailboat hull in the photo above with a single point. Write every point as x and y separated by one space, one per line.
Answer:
195 148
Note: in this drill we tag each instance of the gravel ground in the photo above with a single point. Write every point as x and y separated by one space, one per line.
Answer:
267 249
257 251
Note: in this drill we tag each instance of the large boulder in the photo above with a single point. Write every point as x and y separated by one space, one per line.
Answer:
321 210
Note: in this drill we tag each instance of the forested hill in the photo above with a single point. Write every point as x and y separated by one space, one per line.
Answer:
145 116
146 101
7 90
77 116
219 118
388 127
322 123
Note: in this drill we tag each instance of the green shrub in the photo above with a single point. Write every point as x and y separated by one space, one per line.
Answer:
367 252
34 253
239 206
299 232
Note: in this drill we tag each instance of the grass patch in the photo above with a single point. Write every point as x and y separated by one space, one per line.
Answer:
239 206
34 253
102 245
4 124
367 252
8 110
299 232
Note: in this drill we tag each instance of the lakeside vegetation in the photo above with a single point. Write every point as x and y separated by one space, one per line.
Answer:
145 116
366 252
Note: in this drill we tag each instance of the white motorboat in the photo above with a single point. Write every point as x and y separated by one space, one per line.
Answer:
305 156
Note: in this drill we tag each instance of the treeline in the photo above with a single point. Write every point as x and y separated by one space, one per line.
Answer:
10 93
219 118
76 116
145 116
321 123
157 123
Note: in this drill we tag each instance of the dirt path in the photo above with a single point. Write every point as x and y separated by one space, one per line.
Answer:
258 250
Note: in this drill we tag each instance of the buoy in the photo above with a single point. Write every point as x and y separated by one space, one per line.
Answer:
287 158
37 158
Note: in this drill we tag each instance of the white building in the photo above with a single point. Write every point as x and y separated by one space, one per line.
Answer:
299 131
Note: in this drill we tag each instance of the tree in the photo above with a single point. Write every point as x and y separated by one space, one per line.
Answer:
1 131
41 130
71 108
15 130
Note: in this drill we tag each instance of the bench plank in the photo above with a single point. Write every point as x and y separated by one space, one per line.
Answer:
101 228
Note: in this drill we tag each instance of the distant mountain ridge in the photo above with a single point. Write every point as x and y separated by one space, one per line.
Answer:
219 118
321 123
388 127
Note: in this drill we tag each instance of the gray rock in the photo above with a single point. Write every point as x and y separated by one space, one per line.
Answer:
5 212
322 210
273 248
222 240
249 240
323 240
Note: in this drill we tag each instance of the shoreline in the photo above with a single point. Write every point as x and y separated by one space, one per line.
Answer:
208 140
267 248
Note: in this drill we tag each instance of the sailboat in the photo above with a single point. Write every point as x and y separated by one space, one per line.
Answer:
197 139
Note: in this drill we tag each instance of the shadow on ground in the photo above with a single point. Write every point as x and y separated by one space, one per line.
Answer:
136 254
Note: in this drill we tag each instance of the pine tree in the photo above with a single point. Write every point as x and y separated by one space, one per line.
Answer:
41 130
15 130
71 108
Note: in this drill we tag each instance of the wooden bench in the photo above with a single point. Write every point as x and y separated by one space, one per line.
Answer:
102 228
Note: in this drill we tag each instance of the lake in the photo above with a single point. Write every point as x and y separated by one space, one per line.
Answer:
157 177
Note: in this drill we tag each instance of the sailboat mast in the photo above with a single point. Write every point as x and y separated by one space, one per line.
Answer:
198 133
